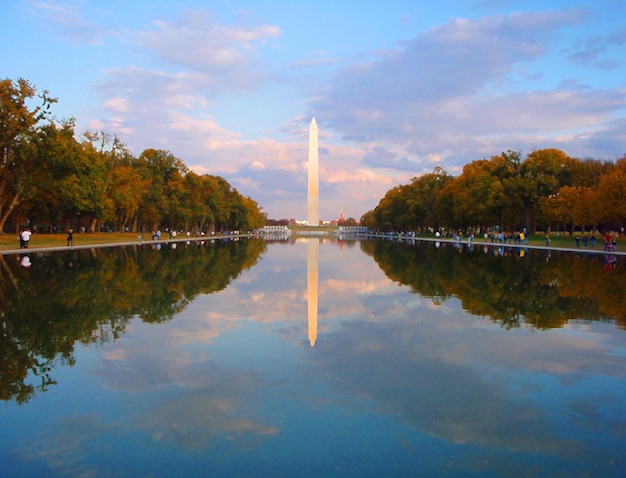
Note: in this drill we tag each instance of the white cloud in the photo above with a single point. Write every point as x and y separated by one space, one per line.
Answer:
119 105
450 93
462 90
69 18
226 54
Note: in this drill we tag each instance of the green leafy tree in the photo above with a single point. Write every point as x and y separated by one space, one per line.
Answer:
163 173
513 200
196 203
60 158
221 203
127 188
429 189
18 159
103 153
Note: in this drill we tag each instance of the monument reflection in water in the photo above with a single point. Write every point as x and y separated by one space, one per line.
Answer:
198 361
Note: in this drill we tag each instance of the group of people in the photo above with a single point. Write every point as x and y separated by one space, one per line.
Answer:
26 233
156 235
610 240
504 237
586 240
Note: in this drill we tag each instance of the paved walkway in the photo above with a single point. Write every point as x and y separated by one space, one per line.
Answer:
475 243
33 250
481 243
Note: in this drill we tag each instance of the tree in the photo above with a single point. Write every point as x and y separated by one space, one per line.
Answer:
543 172
409 206
18 123
588 172
430 188
515 198
196 204
103 153
220 200
163 173
562 205
390 209
369 220
588 210
255 217
478 195
612 191
60 160
127 188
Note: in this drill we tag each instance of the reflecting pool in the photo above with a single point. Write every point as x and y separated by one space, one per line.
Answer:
312 357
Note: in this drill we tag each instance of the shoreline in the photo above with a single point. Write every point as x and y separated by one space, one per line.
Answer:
585 250
367 236
100 245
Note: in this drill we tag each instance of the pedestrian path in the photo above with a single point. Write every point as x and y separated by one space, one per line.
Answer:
34 250
481 243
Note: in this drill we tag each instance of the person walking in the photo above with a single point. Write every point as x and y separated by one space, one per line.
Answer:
608 241
25 236
70 237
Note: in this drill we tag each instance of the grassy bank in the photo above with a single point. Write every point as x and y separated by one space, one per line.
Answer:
11 241
567 241
562 241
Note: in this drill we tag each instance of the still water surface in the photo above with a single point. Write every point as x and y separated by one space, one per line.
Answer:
313 358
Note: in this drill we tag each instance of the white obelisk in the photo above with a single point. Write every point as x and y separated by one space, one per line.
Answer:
313 216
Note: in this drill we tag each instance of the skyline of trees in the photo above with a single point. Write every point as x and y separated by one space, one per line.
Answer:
54 181
548 190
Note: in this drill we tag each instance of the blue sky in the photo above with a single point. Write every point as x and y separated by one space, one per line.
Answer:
397 88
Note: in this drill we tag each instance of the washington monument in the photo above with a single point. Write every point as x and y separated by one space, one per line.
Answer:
313 216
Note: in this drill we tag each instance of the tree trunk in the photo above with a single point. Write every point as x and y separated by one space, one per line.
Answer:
14 202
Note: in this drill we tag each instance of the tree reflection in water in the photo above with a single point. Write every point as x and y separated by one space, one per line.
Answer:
543 289
395 384
89 296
